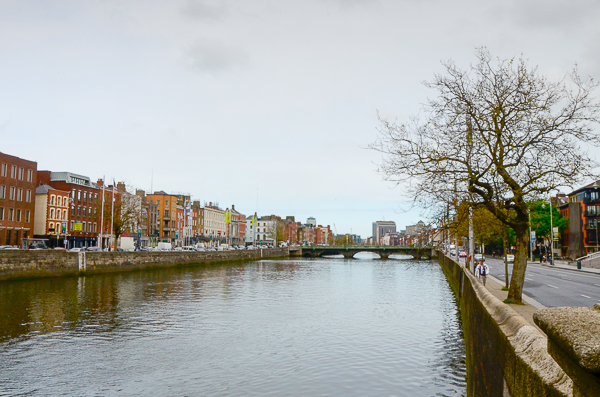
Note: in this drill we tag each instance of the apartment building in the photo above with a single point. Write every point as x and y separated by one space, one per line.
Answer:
18 179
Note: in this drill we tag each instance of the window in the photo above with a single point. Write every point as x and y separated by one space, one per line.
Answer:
29 175
28 196
2 191
12 193
51 227
73 194
166 203
157 202
84 196
13 172
90 197
84 211
27 216
72 225
52 200
1 213
11 213
83 226
89 211
94 227
78 211
72 211
79 195
592 210
51 213
3 169
65 214
96 197
20 195
21 172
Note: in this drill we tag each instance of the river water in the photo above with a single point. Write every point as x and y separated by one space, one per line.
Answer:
305 327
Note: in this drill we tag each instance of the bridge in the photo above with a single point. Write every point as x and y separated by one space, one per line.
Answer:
349 251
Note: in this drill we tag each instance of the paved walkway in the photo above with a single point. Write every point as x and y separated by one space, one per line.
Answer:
530 306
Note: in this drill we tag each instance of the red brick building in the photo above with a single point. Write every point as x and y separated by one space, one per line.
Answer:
18 179
84 201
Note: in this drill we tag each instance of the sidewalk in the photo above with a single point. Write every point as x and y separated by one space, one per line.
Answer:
526 310
558 264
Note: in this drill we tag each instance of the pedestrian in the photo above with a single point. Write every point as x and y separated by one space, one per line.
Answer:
481 271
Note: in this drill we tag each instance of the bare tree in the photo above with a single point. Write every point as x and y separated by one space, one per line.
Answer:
498 135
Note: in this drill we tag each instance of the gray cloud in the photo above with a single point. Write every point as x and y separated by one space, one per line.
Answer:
205 11
213 56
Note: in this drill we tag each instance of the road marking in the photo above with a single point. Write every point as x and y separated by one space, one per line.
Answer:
528 279
566 278
585 296
597 285
552 286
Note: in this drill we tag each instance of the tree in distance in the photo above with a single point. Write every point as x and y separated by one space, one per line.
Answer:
498 135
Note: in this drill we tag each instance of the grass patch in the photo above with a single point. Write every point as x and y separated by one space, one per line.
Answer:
504 289
512 302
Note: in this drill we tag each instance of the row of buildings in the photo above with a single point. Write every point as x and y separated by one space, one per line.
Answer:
66 209
581 207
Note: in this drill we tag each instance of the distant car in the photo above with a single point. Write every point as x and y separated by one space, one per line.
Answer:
92 249
479 257
510 258
462 254
75 249
8 247
38 246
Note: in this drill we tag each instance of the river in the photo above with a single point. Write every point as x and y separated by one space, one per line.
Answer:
291 327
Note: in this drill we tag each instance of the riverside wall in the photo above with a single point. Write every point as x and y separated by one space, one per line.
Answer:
50 263
506 355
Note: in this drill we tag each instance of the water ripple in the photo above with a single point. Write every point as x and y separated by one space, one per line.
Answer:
291 327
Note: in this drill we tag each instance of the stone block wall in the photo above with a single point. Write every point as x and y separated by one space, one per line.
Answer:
506 356
49 263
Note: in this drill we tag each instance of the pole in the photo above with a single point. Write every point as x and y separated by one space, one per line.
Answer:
102 214
112 210
530 240
552 235
471 239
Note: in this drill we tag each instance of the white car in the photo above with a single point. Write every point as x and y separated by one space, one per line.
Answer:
510 258
75 249
479 257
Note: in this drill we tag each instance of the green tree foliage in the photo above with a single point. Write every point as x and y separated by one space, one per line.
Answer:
540 219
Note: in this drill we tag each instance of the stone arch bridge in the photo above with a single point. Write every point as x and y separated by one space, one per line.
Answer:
349 251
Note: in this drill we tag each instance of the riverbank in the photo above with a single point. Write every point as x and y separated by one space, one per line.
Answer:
50 263
506 354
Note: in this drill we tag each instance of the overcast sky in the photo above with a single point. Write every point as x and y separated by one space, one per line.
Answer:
268 105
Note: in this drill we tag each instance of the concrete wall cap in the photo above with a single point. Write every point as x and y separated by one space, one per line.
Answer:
576 330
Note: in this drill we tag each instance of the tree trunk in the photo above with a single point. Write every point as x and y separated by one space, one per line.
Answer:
515 291
504 250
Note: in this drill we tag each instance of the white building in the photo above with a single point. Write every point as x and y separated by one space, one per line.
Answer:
265 233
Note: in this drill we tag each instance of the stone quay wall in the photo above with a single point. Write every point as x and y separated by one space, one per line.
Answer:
50 263
506 355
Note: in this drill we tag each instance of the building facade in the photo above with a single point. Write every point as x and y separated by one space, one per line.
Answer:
18 180
84 203
52 216
167 215
380 228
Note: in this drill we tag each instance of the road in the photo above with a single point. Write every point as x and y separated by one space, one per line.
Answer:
554 287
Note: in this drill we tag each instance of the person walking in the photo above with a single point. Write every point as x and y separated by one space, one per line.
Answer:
481 271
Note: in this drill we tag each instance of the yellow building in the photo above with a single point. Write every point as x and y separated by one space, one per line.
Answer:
167 215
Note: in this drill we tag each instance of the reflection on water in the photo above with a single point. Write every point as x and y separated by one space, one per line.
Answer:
288 327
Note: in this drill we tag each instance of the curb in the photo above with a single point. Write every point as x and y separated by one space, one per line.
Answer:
572 269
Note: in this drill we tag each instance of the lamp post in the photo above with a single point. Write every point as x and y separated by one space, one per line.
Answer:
530 239
595 186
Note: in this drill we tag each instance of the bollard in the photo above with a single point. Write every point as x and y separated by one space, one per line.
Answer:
578 264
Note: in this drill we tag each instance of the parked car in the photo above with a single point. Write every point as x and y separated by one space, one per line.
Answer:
75 249
38 246
93 249
479 257
462 254
510 258
8 247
